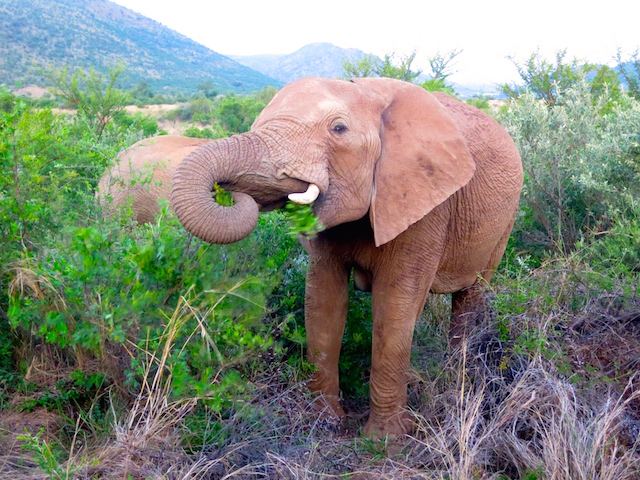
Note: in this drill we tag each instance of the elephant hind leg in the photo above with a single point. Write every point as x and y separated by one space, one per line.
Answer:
467 305
467 308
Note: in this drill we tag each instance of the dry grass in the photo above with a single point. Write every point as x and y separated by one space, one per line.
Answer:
484 411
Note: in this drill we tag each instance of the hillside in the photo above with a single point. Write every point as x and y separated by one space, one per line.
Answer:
85 33
313 60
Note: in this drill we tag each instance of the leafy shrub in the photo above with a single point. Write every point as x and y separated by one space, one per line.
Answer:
581 166
236 114
147 124
95 96
372 66
548 81
630 72
206 132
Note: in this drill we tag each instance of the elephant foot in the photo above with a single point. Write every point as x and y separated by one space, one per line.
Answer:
328 407
393 427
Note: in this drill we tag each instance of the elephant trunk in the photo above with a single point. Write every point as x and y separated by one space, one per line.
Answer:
223 162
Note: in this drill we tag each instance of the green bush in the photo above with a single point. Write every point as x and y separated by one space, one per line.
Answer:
548 81
206 132
227 115
581 166
236 114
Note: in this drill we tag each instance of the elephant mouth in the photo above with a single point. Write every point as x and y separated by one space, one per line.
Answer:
307 197
270 206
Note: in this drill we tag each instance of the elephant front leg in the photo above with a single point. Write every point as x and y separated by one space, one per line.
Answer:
326 302
395 311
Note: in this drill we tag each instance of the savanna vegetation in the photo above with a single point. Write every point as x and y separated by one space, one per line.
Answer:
100 33
133 351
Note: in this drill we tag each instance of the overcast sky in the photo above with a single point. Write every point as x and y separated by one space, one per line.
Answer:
486 31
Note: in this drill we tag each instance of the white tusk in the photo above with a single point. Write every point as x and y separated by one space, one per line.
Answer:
307 197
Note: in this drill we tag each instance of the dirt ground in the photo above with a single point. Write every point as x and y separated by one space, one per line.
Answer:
32 91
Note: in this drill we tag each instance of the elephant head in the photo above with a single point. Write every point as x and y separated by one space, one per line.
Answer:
376 146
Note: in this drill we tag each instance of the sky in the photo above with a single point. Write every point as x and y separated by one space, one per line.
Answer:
486 32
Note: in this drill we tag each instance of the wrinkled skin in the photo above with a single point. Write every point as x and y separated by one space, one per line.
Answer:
419 193
143 174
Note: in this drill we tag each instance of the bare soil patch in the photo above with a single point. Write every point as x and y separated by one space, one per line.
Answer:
32 91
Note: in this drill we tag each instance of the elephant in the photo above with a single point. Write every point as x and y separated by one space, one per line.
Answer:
418 193
143 172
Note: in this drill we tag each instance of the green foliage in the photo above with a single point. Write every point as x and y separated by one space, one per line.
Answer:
548 81
302 220
402 71
207 89
265 95
197 110
142 92
222 197
372 66
630 71
367 66
481 102
236 114
581 166
95 97
206 132
618 252
45 456
441 65
355 354
93 34
139 121
87 287
227 115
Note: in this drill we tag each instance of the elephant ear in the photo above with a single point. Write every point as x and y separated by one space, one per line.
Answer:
424 159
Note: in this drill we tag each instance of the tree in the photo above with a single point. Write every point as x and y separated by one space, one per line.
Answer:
371 66
402 71
365 67
547 80
630 71
142 91
237 114
208 89
441 65
94 96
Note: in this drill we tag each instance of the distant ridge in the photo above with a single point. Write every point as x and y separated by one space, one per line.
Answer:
313 60
85 33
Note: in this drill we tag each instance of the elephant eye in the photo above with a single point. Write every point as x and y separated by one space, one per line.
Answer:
339 128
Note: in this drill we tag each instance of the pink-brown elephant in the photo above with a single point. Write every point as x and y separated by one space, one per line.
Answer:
418 192
143 174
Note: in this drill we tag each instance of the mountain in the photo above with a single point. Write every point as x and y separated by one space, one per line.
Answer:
313 60
98 33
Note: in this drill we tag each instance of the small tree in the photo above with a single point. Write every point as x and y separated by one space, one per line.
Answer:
581 167
236 114
630 71
402 71
95 97
142 91
546 80
365 67
441 65
371 66
207 89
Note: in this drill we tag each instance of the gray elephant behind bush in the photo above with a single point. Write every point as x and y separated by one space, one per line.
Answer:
142 175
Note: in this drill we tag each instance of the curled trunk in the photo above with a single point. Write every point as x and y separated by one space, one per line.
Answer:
222 162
